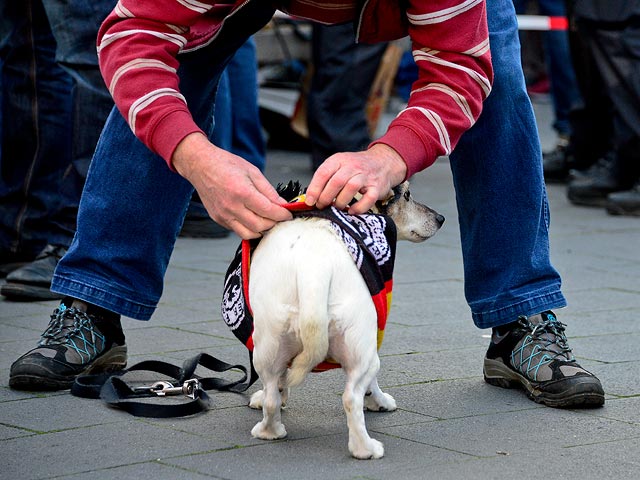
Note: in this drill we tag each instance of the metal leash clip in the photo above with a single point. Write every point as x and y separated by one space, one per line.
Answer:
162 389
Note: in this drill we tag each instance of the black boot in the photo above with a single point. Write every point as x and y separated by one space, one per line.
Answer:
33 281
591 187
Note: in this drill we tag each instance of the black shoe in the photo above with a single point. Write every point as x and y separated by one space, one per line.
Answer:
625 202
556 163
73 344
33 281
12 261
591 187
534 355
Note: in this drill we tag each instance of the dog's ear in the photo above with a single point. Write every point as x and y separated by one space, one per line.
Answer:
381 206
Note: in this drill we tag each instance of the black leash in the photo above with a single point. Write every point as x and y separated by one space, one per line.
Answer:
114 391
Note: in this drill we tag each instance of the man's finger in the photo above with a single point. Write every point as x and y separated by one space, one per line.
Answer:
349 191
318 183
365 203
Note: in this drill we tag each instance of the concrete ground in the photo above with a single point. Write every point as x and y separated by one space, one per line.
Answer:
449 424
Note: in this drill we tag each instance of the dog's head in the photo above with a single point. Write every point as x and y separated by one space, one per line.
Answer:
414 221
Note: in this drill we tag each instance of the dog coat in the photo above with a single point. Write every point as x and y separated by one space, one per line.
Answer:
369 238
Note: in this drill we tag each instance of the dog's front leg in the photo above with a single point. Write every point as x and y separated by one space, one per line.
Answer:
378 401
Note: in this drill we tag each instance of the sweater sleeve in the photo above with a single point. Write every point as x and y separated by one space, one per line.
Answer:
137 48
450 45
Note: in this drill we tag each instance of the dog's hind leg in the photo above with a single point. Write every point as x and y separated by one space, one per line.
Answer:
257 398
378 401
270 370
361 445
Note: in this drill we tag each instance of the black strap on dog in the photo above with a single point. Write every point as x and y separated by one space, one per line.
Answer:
114 391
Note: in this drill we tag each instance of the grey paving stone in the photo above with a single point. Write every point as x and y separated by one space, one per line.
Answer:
620 379
577 463
621 409
44 413
511 432
317 458
449 399
7 432
93 448
152 469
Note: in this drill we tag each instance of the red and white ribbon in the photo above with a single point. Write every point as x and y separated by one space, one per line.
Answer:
543 23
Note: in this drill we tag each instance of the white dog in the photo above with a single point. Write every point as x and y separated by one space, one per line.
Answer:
310 303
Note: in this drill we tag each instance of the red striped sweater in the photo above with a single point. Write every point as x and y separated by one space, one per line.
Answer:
139 43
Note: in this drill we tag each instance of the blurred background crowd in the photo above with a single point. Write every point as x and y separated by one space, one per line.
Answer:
327 95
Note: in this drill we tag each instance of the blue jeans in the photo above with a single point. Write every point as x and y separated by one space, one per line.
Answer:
564 86
501 196
127 226
237 117
54 104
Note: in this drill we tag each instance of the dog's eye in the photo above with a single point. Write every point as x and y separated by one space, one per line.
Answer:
407 195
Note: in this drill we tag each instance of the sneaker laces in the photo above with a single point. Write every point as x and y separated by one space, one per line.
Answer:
73 328
544 343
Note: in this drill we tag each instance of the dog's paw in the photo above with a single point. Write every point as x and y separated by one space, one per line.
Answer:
366 450
257 399
268 432
382 402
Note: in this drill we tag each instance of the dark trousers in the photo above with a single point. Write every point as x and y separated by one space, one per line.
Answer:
344 72
606 54
53 104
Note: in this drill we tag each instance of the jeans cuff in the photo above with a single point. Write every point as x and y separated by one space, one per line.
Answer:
100 296
532 305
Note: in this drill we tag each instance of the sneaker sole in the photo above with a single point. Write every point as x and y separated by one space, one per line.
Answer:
584 391
111 361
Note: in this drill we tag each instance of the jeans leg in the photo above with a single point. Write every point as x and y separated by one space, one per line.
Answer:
501 196
222 130
564 86
129 217
36 145
131 212
132 206
247 139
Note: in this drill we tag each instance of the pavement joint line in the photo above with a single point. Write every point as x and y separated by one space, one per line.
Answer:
428 352
185 469
439 447
603 442
428 382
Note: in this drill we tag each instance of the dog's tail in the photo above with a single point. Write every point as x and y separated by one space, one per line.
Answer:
314 328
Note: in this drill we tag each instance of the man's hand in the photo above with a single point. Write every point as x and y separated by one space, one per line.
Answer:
372 173
234 192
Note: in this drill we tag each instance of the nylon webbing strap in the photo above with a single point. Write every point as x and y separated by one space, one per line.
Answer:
114 391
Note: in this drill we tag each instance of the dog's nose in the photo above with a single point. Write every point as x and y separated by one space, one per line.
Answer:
440 220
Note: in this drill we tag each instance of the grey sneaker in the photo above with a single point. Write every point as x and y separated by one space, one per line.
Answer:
535 355
74 343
